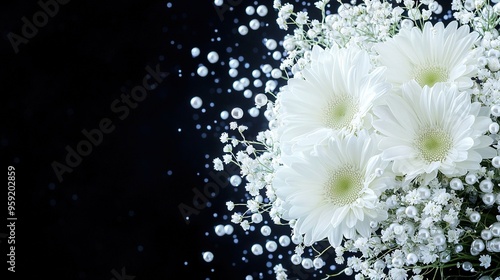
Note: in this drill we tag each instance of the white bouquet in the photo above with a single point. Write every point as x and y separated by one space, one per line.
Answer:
382 143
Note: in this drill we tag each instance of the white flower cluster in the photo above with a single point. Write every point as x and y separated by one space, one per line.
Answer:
384 141
257 161
353 25
484 18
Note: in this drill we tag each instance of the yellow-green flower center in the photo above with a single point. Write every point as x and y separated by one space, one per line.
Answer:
429 75
433 144
340 112
344 185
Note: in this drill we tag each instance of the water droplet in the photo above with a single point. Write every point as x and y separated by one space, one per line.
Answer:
262 10
202 71
254 24
271 44
196 102
237 113
250 10
261 99
195 52
235 180
228 229
213 57
257 249
284 240
243 30
219 230
254 112
276 73
208 256
224 115
247 93
265 230
234 63
233 73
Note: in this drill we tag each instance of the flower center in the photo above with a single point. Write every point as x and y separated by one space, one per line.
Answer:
344 185
433 144
340 112
429 75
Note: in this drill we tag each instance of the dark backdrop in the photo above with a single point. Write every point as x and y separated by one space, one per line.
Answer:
113 212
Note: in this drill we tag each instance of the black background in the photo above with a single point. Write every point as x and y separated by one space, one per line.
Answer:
117 212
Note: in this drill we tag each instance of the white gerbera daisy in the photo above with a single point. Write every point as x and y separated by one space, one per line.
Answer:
335 95
434 54
334 192
433 129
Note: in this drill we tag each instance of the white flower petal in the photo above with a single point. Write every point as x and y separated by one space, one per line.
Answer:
432 55
329 192
444 134
335 95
